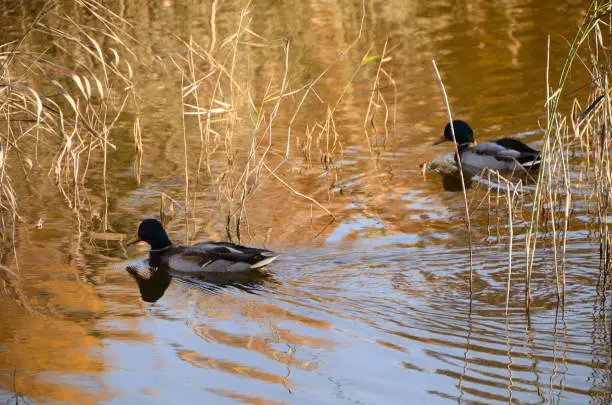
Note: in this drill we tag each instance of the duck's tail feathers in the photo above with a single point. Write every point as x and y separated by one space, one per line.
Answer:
530 160
533 164
268 257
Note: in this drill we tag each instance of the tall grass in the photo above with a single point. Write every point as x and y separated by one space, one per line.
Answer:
64 86
67 85
576 152
238 117
64 99
576 171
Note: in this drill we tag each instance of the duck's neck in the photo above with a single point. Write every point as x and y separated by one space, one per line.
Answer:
156 256
462 147
160 249
160 242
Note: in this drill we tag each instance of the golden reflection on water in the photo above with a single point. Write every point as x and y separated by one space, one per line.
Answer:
230 367
49 331
357 306
261 345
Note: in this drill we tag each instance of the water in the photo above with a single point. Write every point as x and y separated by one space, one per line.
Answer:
374 307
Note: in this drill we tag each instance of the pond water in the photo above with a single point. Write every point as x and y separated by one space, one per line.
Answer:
371 308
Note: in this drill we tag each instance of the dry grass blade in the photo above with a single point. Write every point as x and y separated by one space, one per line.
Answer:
294 191
467 210
307 89
59 128
591 129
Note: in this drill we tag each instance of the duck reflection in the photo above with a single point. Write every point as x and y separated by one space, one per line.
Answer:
154 281
452 181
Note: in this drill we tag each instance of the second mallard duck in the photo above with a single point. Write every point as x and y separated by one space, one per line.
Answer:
201 258
502 154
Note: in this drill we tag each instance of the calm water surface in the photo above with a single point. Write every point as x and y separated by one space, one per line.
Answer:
373 308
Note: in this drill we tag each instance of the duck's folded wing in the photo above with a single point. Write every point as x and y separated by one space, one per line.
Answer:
516 145
507 149
211 251
495 150
528 156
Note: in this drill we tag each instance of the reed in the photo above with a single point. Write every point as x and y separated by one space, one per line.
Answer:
240 122
577 140
468 222
575 172
61 103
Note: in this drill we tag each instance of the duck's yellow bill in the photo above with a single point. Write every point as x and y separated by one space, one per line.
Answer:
132 241
439 141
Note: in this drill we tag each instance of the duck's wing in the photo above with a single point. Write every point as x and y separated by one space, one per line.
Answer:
508 149
220 253
516 145
528 156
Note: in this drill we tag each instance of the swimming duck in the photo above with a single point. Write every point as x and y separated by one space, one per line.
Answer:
201 258
502 154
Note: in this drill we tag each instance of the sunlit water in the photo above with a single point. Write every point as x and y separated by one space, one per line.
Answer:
374 308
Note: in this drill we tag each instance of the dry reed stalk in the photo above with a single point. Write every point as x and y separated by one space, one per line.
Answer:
137 131
370 113
395 96
510 202
185 158
465 199
193 89
309 87
241 177
591 131
67 109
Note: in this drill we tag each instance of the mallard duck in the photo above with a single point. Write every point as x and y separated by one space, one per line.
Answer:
502 154
201 258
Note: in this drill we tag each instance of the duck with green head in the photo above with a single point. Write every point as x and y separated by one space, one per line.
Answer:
222 258
502 154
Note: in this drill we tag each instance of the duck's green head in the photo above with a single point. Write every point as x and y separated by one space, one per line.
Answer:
463 133
152 232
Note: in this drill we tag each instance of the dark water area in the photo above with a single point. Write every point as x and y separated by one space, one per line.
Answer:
371 308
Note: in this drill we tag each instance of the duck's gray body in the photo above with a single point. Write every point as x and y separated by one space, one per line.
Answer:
212 257
504 154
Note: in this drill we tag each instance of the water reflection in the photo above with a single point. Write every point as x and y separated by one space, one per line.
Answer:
453 181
